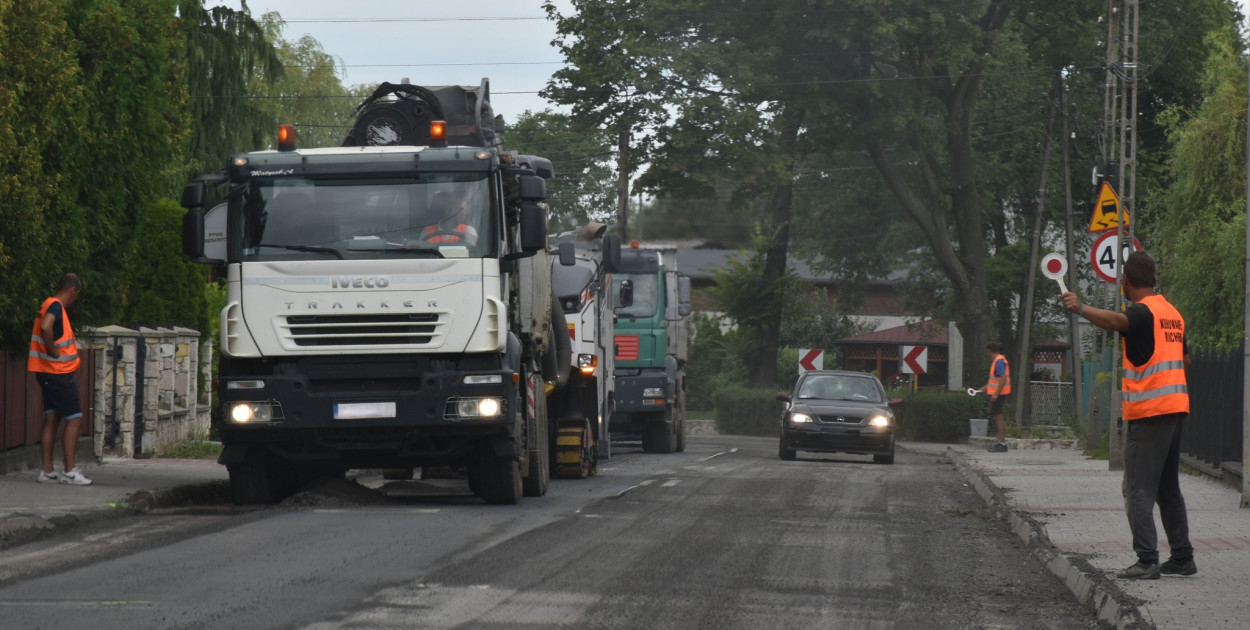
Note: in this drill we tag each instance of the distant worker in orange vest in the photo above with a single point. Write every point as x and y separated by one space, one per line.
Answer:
54 360
455 219
998 388
1155 404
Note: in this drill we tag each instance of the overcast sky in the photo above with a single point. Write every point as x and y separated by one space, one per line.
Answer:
435 43
432 43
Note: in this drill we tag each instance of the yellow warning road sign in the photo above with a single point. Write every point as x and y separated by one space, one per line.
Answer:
1107 211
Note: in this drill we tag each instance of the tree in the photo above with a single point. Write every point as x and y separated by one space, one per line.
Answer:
224 49
582 189
307 92
38 84
1200 227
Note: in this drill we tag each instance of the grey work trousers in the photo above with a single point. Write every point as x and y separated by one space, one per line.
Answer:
1152 456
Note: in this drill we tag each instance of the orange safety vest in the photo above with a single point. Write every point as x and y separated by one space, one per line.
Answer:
1158 387
445 238
1000 385
40 361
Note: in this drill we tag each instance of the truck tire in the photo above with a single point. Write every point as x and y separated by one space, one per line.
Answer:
679 421
501 479
663 434
536 482
252 482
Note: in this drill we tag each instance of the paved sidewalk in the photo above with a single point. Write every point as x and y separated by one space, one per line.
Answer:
28 507
1068 509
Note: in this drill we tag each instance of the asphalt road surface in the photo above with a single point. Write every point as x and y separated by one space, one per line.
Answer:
723 536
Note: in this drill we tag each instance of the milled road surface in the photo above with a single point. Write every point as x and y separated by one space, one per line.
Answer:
723 536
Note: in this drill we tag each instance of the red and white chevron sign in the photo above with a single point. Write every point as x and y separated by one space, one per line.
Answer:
914 359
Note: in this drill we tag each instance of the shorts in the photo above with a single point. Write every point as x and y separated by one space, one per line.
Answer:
996 406
60 394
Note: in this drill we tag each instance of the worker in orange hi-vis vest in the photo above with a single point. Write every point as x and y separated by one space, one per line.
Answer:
998 387
1155 404
455 221
54 360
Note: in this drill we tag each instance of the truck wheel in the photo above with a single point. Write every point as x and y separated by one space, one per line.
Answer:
252 482
501 480
663 434
540 460
679 421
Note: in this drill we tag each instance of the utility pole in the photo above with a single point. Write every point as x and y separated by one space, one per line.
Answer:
622 185
1121 107
1245 341
1093 432
1025 355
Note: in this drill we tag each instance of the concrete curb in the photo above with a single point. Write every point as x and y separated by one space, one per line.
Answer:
20 528
1114 608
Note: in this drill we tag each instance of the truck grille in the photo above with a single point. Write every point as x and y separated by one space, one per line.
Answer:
627 347
406 329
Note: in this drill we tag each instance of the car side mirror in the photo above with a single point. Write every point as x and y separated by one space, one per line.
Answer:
783 397
896 402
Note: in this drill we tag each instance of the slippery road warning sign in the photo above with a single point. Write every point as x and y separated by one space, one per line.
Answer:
1107 211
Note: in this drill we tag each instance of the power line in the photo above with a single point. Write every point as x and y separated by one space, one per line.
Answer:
517 18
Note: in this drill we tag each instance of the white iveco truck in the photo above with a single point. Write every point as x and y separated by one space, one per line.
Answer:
389 301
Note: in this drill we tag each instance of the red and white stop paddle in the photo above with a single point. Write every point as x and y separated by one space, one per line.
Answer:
1054 267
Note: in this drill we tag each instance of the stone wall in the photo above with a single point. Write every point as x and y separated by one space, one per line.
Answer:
147 396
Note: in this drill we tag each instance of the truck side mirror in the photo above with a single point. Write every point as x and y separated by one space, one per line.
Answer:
193 221
626 296
533 226
568 256
532 188
683 296
611 253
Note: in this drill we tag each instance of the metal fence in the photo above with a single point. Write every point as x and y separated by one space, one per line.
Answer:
1213 432
1051 404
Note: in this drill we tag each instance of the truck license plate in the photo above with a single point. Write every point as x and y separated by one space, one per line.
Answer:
362 411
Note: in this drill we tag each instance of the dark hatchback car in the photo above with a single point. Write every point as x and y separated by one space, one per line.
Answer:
832 411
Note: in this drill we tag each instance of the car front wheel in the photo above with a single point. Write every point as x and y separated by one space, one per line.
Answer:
783 449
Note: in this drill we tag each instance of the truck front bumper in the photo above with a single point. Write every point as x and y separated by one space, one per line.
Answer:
415 410
645 392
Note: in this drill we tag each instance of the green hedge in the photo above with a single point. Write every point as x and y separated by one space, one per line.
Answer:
937 416
742 411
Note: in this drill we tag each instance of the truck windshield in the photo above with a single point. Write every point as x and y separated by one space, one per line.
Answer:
645 295
441 215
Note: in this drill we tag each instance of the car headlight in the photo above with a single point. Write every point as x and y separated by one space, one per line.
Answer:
879 420
800 418
255 412
652 392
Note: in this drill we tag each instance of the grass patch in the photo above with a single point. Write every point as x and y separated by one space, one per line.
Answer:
194 449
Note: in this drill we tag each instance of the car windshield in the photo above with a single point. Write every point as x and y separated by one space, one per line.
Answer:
840 387
434 216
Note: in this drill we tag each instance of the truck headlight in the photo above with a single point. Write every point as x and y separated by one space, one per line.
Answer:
478 408
652 392
587 363
879 420
255 412
800 418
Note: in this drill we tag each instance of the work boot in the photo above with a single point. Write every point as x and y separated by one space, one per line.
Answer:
1140 571
1178 567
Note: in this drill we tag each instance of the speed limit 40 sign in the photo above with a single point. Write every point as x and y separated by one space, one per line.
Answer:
1103 255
